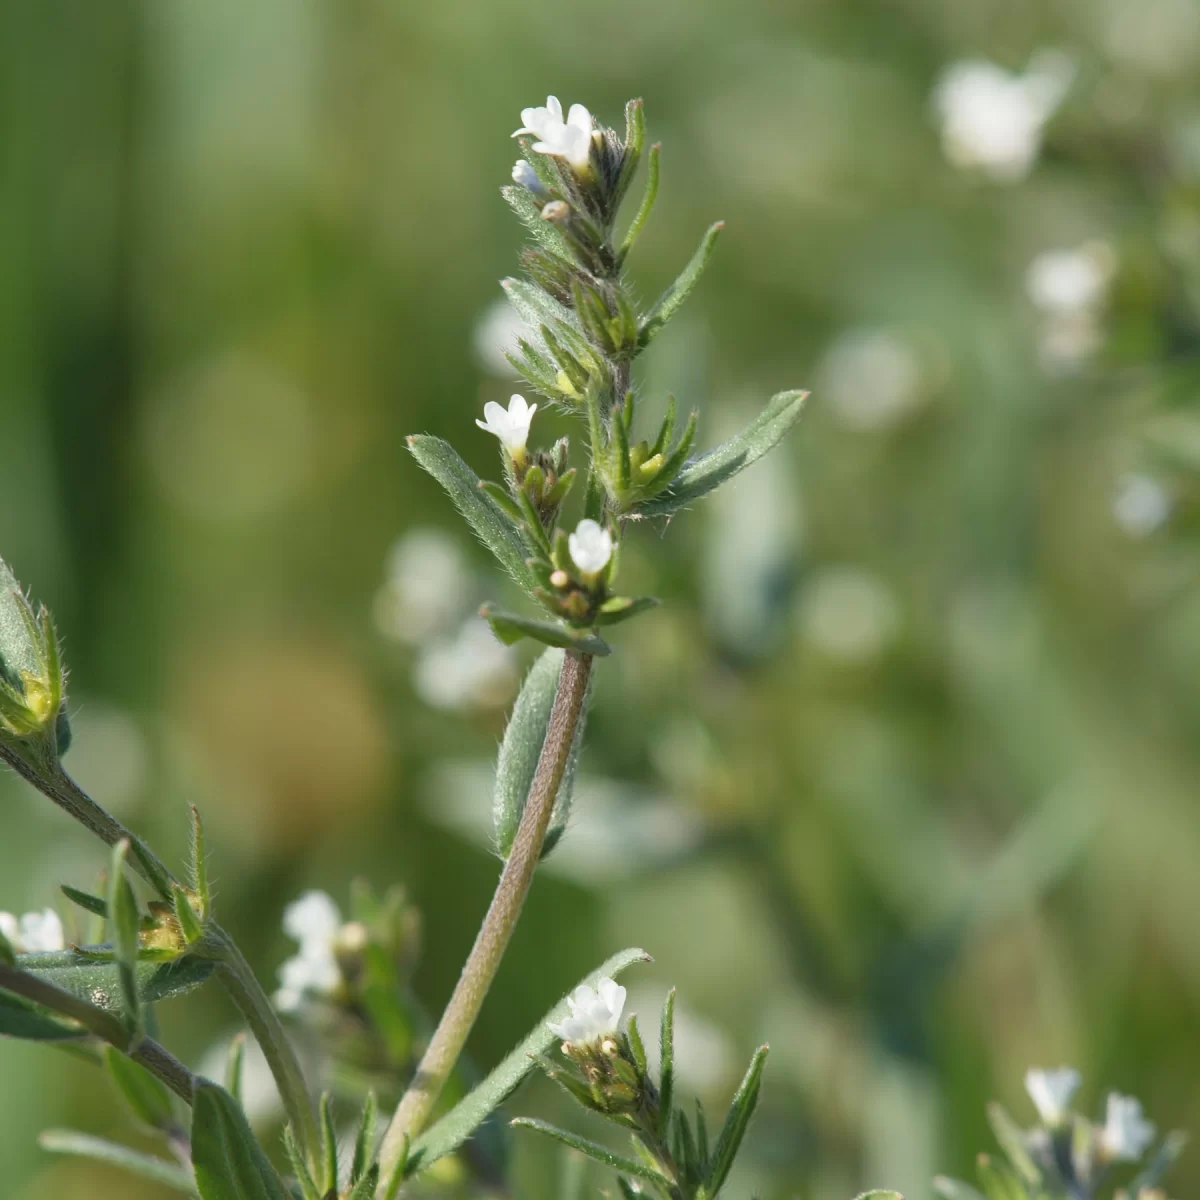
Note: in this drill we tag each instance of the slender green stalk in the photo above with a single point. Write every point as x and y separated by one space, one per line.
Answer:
103 1024
451 1034
232 969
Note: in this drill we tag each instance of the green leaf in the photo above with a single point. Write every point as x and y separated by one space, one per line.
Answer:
647 205
304 1180
736 1122
329 1143
229 1163
446 1135
536 307
1164 1158
669 302
124 922
999 1181
1012 1141
21 1019
189 923
81 1145
627 1166
97 982
621 608
199 864
544 232
512 627
703 474
521 749
145 1095
636 1047
18 651
490 524
666 1075
234 1063
364 1143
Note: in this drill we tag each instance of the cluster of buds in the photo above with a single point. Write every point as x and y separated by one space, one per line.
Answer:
1067 1154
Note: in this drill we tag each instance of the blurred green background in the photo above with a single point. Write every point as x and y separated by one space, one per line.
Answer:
902 778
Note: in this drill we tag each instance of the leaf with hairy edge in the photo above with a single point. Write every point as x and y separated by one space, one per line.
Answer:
669 302
21 1019
736 1123
490 524
97 982
446 1135
701 475
521 749
512 627
600 1154
82 1145
228 1161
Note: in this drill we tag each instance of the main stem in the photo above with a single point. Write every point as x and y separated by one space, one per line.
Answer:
480 969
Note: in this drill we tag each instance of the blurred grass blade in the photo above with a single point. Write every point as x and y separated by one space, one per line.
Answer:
1164 1158
446 1135
124 922
490 524
82 1145
228 1161
627 1166
703 474
97 982
21 1019
85 900
235 1063
669 302
1012 1141
521 749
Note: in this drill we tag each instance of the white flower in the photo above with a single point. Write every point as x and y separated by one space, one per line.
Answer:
34 933
1126 1133
1070 281
570 139
595 1015
872 379
591 546
993 119
511 427
1051 1091
1141 505
525 176
314 921
498 333
469 670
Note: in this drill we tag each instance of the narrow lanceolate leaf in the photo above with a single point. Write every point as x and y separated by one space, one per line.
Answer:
621 608
512 627
189 923
85 900
492 526
446 1135
627 1166
636 1046
295 1156
703 474
669 302
364 1143
545 233
199 864
329 1143
98 983
8 955
736 1123
234 1063
229 1163
146 1096
647 205
1012 1141
124 921
21 1019
999 1180
666 1079
521 749
81 1145
536 307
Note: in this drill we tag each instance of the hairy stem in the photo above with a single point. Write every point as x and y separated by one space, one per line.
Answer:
104 1025
480 969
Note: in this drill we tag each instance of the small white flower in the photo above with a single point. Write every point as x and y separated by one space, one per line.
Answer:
1141 504
993 119
34 933
570 139
1126 1133
525 176
511 426
1051 1091
1070 281
591 546
594 1015
314 921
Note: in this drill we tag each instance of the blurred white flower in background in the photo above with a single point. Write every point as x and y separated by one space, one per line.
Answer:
594 1015
848 613
1069 288
1126 1134
314 922
35 932
496 333
110 754
1140 505
992 119
871 379
1051 1091
429 586
469 669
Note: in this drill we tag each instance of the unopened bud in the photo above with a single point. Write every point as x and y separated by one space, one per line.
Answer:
559 579
557 211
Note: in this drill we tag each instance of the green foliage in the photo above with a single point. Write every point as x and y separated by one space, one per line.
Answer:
228 1161
146 1096
155 1170
512 627
19 1018
522 747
